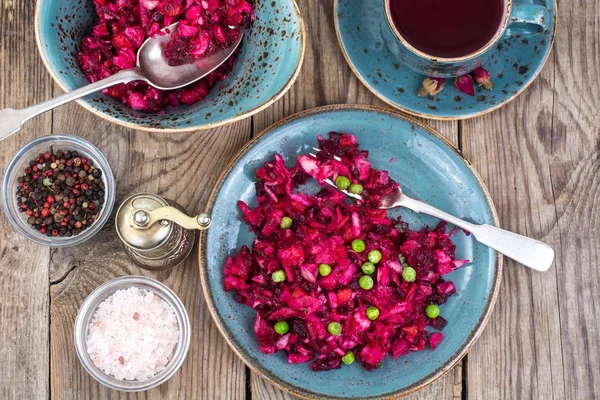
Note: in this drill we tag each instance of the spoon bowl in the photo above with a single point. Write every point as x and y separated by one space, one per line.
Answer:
158 73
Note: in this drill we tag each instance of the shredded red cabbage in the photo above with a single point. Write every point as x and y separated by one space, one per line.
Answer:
123 25
321 233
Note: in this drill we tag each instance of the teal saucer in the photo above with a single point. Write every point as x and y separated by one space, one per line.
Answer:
368 43
427 168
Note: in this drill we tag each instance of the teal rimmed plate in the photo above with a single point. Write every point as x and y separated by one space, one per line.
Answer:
368 44
428 168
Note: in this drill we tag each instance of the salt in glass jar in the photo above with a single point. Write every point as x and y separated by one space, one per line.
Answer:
86 314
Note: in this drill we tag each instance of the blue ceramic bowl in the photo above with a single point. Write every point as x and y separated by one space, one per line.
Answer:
428 168
267 66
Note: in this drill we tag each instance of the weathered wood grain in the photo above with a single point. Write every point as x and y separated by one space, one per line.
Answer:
179 167
540 159
326 79
23 265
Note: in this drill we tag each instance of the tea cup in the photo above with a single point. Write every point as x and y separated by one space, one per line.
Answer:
518 19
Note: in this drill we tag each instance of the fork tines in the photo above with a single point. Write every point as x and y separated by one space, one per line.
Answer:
332 183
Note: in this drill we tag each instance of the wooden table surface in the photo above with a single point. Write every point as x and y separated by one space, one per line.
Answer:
539 156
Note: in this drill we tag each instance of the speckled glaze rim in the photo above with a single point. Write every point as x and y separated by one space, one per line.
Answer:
275 380
137 127
433 116
497 36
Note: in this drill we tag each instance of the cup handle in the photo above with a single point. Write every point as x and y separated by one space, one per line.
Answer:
531 14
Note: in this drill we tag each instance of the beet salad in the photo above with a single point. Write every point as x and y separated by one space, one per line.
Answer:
335 280
204 27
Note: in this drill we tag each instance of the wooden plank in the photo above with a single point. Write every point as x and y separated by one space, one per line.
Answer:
24 273
181 167
519 353
575 172
327 79
540 159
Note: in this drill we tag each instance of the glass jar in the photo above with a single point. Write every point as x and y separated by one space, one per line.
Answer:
88 309
31 151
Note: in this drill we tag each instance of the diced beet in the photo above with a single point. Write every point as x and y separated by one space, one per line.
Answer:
149 4
445 288
309 272
300 300
438 323
265 334
362 166
344 295
283 343
294 358
283 313
372 354
136 36
291 256
435 339
316 327
253 217
327 363
399 348
176 52
359 323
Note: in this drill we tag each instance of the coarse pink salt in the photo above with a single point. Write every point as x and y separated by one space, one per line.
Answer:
133 334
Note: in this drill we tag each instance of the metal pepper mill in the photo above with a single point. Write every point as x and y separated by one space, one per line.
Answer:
157 234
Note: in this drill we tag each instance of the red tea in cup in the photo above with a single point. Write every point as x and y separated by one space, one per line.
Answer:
447 28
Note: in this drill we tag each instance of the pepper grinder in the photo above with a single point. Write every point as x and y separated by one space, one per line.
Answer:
157 234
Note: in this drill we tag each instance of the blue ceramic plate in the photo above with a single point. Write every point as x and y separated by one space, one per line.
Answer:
428 168
367 42
267 66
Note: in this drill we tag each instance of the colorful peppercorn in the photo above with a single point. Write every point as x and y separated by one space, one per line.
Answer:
53 190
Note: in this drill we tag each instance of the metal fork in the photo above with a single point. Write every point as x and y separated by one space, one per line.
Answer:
529 252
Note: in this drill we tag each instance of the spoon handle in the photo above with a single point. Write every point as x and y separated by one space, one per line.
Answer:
529 252
11 120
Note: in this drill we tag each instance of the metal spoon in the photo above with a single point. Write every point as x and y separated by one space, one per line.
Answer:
151 68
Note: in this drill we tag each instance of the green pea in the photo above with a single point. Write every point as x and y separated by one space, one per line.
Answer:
432 311
366 282
278 276
286 222
403 261
282 327
342 182
409 274
374 256
335 328
372 313
324 269
356 188
358 245
368 268
348 358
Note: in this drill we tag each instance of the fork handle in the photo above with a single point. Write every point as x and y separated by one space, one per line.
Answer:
529 252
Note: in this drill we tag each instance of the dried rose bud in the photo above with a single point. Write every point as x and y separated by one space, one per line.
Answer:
482 77
432 86
465 84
